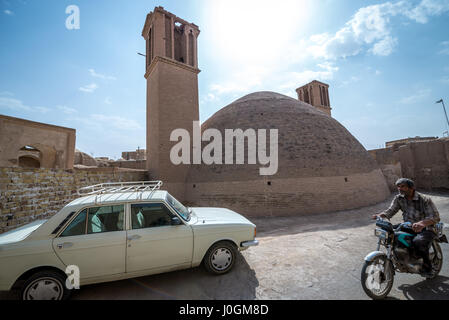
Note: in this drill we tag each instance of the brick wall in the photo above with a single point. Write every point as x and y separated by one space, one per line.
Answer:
290 196
31 194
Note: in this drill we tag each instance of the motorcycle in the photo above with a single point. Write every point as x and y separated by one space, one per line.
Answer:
380 267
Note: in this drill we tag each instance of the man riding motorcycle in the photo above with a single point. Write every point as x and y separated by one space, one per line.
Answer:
421 212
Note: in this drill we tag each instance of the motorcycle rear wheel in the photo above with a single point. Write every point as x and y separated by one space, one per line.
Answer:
436 257
377 277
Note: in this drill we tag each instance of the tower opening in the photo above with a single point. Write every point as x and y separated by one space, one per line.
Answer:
180 45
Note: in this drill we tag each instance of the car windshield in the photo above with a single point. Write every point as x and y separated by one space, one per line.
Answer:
183 211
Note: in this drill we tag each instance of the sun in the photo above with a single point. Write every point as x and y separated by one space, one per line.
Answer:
254 30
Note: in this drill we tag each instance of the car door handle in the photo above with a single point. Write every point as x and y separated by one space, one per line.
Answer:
134 237
64 245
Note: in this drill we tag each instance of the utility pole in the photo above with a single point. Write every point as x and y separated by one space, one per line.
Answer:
445 113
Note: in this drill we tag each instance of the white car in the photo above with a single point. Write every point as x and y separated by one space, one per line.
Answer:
118 231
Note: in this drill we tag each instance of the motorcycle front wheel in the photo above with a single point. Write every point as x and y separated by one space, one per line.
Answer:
377 277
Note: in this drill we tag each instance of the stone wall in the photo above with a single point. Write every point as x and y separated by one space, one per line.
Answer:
28 194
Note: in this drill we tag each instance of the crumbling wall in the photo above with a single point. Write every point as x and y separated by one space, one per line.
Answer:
52 146
28 194
425 162
389 163
132 164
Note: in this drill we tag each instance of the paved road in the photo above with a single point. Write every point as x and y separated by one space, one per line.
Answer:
313 257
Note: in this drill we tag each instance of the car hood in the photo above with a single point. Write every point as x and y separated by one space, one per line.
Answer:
20 233
219 216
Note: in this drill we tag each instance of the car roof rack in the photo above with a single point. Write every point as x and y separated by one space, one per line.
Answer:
121 187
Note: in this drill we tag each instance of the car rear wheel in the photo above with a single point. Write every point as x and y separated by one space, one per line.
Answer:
220 258
45 285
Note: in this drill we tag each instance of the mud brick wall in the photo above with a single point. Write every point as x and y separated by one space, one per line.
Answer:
390 164
29 194
427 163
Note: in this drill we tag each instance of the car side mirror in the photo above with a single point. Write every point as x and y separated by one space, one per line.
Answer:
175 221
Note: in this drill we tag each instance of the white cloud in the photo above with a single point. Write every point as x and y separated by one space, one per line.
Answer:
427 9
106 123
8 12
385 46
67 110
324 72
101 76
116 121
248 79
417 97
210 97
89 88
445 49
349 81
42 109
13 104
18 105
370 29
445 79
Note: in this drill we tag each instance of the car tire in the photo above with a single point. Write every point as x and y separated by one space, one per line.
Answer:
45 285
220 258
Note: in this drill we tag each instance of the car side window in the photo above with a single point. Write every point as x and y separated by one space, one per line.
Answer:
105 219
77 226
150 215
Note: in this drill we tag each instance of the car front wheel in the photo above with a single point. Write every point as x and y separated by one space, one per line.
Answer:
220 258
45 285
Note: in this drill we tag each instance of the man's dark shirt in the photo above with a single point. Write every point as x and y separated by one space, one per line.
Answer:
419 208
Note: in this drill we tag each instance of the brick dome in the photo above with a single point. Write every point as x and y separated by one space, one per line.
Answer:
321 166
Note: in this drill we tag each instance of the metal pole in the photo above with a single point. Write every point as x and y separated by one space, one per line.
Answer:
444 108
445 113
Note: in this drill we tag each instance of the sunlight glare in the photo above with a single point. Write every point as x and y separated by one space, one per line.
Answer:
254 31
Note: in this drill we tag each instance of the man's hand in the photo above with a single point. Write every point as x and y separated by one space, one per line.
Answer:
380 215
418 226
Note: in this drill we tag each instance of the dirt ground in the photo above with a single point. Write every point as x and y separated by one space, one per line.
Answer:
306 257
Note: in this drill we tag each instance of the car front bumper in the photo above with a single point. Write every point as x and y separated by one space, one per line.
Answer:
247 244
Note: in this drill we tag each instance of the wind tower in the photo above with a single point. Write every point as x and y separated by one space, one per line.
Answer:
171 71
316 93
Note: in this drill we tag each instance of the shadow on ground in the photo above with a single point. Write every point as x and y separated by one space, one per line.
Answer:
190 284
279 226
196 283
435 289
358 217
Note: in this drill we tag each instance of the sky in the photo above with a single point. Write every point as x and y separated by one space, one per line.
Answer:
386 62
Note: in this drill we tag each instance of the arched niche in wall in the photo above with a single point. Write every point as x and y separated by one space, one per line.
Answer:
29 157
